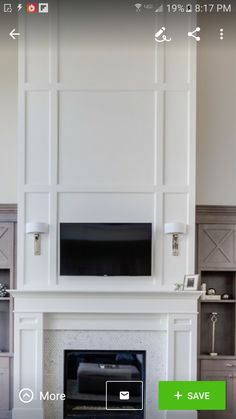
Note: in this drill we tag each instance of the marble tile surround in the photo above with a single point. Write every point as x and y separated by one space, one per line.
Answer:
56 341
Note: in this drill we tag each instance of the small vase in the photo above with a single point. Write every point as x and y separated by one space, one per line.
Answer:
3 291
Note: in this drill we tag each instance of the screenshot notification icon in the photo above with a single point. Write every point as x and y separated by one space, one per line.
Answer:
43 7
31 7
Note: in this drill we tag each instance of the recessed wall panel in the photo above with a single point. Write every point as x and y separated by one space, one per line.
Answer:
176 158
27 359
177 51
182 353
106 207
105 44
37 48
37 138
106 138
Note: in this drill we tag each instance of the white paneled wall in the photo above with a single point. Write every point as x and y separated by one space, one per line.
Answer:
107 133
106 130
37 138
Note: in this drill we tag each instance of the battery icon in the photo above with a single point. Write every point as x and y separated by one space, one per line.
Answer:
189 8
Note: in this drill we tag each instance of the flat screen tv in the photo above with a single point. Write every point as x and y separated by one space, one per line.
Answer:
105 249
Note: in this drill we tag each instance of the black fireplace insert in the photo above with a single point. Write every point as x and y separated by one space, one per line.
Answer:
104 384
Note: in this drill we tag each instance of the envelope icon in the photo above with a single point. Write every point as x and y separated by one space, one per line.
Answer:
124 395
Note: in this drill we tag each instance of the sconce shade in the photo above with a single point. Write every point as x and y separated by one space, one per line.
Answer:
175 228
36 228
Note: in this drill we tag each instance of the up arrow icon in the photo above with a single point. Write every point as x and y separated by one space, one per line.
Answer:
26 395
13 33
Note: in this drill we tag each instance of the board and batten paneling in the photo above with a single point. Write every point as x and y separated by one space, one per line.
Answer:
106 133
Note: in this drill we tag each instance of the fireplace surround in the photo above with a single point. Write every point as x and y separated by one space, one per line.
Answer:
164 324
57 341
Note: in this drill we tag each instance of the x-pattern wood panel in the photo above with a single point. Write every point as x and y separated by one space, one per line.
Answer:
5 247
217 247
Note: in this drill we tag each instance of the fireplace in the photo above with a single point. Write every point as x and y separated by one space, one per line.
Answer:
162 324
104 384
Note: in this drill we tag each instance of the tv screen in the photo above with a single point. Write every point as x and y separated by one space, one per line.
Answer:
105 249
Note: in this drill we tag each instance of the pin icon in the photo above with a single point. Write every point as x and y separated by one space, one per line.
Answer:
26 395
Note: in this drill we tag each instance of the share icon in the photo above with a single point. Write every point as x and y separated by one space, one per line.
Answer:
194 34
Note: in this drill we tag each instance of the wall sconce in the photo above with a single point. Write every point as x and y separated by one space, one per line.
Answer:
175 229
37 229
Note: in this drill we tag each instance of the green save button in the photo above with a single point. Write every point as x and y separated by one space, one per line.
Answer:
192 395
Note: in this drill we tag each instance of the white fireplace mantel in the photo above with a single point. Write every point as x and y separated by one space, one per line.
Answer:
174 313
54 301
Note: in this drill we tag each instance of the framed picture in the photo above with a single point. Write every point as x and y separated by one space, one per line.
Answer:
191 282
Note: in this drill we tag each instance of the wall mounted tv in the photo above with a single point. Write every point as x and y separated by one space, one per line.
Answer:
105 249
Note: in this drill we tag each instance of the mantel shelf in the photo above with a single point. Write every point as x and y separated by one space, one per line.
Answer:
72 301
73 292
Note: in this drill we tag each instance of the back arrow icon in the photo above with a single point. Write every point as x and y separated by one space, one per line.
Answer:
13 33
